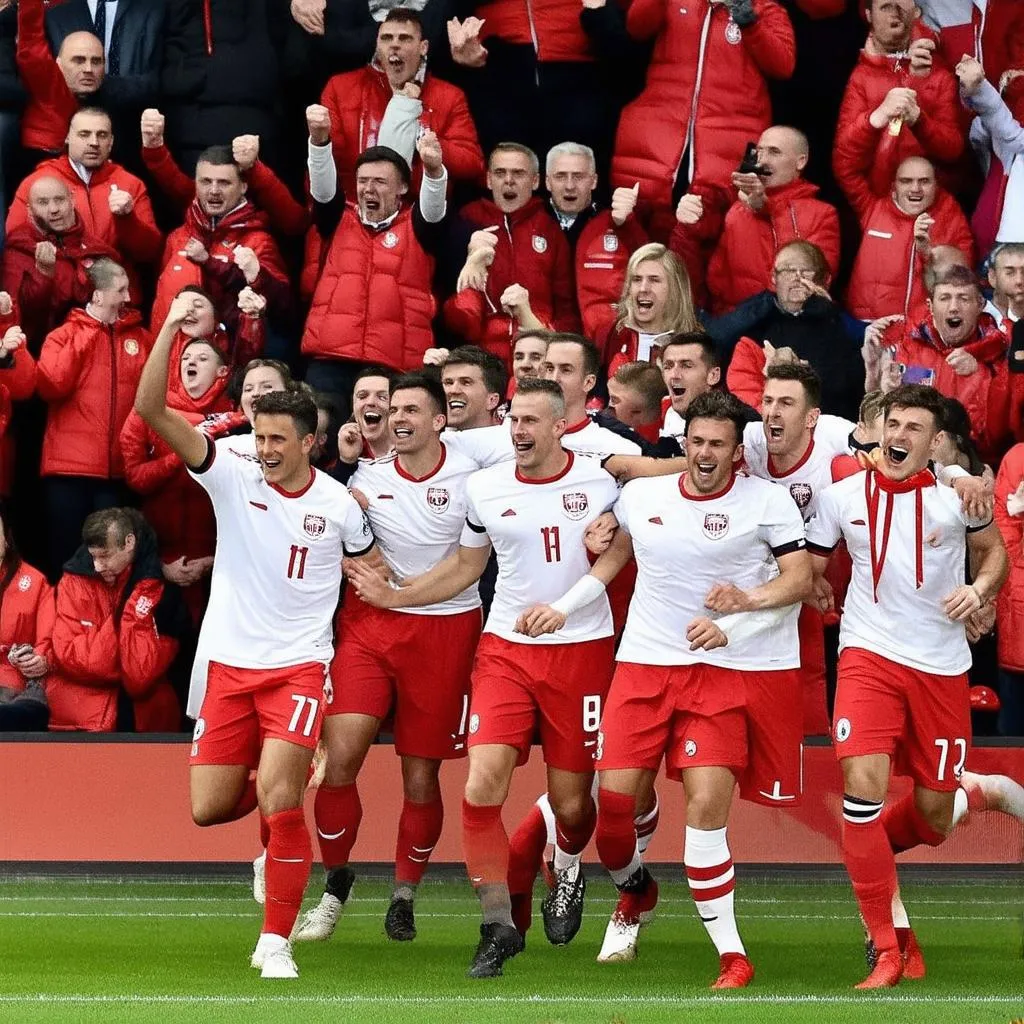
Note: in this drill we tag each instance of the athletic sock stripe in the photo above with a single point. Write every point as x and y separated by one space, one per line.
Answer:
711 883
706 895
702 874
858 811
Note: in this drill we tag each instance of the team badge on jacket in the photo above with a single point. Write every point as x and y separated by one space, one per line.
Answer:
24 583
575 504
390 240
438 499
314 526
732 32
131 346
540 243
716 525
611 242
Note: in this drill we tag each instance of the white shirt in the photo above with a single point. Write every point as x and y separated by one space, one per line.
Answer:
536 528
684 546
813 473
906 623
674 426
418 522
1004 323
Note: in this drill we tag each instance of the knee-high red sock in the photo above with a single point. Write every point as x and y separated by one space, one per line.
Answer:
419 828
525 851
485 844
337 813
871 866
616 835
289 858
572 839
906 827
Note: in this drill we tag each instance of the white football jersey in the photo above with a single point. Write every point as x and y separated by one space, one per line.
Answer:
536 528
418 522
684 546
674 426
903 620
277 566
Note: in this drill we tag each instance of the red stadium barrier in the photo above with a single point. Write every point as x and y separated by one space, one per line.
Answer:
128 802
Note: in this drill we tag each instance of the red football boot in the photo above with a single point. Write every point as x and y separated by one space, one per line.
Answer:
734 971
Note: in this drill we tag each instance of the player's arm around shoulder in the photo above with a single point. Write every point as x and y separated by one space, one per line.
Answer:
635 467
989 567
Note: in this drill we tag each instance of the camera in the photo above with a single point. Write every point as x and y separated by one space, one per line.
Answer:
749 164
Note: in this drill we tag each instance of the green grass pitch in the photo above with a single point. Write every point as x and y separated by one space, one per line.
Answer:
177 951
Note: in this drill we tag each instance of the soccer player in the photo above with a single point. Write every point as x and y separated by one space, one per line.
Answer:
690 368
707 540
282 530
534 511
416 660
902 698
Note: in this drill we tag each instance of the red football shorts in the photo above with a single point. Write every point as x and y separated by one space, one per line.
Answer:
561 687
416 665
245 706
921 720
775 733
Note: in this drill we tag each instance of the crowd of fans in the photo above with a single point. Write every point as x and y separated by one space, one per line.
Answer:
348 189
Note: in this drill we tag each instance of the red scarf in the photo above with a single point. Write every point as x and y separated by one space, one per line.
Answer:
916 483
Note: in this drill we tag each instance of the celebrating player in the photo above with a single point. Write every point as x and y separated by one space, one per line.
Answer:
902 698
419 657
534 512
282 530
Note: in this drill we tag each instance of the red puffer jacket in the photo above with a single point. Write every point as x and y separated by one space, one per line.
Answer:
938 133
357 101
1010 605
219 276
51 104
551 27
887 273
88 373
26 617
706 83
743 259
373 302
18 380
985 394
602 253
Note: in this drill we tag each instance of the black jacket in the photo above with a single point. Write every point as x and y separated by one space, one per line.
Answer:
12 93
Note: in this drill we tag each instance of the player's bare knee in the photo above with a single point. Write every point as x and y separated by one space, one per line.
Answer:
866 778
420 781
572 809
341 773
487 785
705 812
210 810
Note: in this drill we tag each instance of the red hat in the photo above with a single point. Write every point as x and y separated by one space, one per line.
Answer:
984 698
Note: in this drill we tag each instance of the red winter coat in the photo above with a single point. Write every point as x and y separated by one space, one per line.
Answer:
26 617
88 374
1010 604
135 236
219 276
985 394
938 133
373 301
532 251
620 345
357 101
551 27
102 643
44 301
706 77
18 381
600 258
742 262
887 272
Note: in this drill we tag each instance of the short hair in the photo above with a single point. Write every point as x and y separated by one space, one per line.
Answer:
717 405
812 253
957 277
219 156
210 344
385 155
647 381
533 332
591 353
406 16
424 382
802 373
802 142
707 347
542 386
234 388
915 396
294 403
1006 249
870 406
515 147
104 272
196 289
93 111
492 369
570 149
374 371
956 422
111 524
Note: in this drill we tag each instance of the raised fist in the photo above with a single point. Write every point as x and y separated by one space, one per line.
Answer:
246 150
971 74
690 209
119 201
624 203
195 251
429 148
921 56
247 262
12 340
350 443
152 128
251 303
46 257
922 227
515 300
6 304
318 121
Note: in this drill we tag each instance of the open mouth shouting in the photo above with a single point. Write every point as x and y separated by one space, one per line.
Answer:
896 454
705 470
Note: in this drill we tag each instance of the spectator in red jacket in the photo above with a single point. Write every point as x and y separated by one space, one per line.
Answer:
111 203
1008 512
635 395
775 206
26 629
1006 279
46 259
899 235
958 350
600 240
116 631
223 246
391 100
899 102
17 383
88 373
518 273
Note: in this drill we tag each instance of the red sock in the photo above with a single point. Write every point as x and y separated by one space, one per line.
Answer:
872 869
616 835
906 827
337 813
289 858
484 844
573 840
419 828
525 852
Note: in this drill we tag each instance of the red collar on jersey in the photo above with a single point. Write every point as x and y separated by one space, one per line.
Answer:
547 479
800 462
705 497
577 427
301 491
872 496
419 479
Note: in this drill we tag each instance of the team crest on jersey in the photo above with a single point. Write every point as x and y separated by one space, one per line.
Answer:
716 525
690 748
143 607
24 583
576 504
540 243
438 499
732 33
611 242
314 526
131 346
802 494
